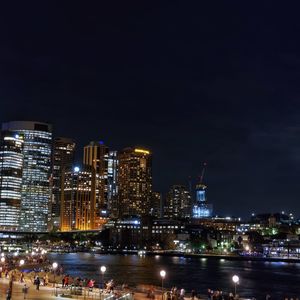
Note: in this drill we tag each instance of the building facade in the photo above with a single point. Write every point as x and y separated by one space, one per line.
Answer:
112 173
35 194
11 170
62 162
202 209
178 203
96 156
134 182
156 207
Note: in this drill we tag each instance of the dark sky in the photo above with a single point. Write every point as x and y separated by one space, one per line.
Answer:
216 82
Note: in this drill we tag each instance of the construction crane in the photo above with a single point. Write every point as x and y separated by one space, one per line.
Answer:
201 185
202 174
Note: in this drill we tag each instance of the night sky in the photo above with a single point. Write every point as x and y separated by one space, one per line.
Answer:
216 82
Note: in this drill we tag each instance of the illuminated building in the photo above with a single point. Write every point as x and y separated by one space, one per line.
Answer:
134 182
96 156
178 203
202 209
112 174
62 162
156 205
86 209
35 195
68 199
78 200
11 168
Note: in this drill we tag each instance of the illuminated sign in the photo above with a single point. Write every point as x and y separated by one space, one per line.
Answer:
141 151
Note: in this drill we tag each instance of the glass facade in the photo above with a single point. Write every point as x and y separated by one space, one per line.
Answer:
11 167
35 192
112 173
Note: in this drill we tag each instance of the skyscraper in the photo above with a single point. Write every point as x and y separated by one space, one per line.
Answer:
134 181
202 209
11 169
62 162
78 200
178 202
86 216
96 156
156 207
68 193
35 194
112 173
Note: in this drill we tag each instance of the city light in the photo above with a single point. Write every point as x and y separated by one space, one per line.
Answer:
54 265
235 278
162 273
142 151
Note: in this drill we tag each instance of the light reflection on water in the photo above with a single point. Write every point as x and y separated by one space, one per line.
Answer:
256 278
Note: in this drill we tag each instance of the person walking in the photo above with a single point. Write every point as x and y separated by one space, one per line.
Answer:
8 294
193 294
25 290
37 282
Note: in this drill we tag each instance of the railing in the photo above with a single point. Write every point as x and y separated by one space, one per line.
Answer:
76 292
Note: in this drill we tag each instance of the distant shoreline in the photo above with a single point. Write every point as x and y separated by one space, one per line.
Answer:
175 254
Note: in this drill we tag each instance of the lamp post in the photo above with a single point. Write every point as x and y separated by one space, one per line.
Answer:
235 280
103 270
162 275
54 266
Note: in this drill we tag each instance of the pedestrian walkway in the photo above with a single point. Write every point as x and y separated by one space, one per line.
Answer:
50 292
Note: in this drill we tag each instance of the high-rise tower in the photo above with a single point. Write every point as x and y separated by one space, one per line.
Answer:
202 209
62 162
178 204
35 194
11 169
96 156
134 181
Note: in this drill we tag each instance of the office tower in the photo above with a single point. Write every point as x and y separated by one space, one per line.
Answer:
178 202
62 162
156 205
11 168
134 182
112 173
78 200
35 194
67 201
202 209
96 155
86 210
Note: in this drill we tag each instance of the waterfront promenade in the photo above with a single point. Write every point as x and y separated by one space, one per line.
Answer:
50 292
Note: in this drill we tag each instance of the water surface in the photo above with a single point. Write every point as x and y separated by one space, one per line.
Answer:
279 279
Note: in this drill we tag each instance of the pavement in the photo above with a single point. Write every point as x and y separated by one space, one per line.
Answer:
49 292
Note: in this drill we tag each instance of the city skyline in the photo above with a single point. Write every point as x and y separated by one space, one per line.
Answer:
190 82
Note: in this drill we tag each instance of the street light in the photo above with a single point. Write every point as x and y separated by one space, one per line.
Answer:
162 275
54 266
235 279
102 269
2 259
22 262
